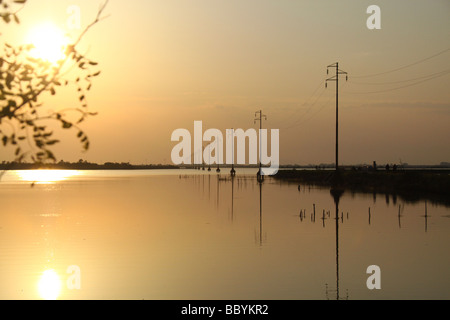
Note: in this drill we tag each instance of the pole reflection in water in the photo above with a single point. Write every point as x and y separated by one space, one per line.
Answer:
337 194
261 237
218 187
260 212
232 197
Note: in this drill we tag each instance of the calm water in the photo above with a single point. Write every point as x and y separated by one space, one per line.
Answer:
192 235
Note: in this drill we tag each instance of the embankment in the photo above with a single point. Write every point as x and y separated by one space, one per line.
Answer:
411 185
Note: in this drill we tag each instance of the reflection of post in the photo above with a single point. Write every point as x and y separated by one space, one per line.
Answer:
218 181
426 217
337 193
260 213
337 247
209 187
232 197
323 218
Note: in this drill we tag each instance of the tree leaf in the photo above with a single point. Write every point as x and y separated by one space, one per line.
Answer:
51 142
6 17
66 125
50 155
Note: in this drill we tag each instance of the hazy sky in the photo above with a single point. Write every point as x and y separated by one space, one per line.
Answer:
166 63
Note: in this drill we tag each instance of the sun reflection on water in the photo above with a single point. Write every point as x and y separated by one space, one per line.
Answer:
45 176
49 285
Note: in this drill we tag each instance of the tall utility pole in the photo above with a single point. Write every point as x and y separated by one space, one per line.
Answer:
336 78
260 118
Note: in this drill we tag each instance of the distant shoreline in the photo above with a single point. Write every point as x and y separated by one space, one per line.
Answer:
412 185
83 166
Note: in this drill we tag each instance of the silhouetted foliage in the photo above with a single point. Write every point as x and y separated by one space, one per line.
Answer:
25 80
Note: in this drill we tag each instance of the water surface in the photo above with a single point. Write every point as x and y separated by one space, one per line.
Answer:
188 234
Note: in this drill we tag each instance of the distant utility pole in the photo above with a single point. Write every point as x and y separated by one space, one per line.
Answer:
336 78
260 118
232 171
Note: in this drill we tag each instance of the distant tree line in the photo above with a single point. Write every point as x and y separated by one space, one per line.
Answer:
82 165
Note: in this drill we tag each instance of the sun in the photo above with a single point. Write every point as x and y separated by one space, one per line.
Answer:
49 42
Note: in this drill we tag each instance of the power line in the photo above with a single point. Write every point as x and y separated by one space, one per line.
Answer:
301 120
404 67
310 106
401 81
421 79
401 87
298 109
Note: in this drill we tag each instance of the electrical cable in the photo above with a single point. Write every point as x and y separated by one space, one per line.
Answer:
404 67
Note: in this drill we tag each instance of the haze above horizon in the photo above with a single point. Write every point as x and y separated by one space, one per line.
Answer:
166 64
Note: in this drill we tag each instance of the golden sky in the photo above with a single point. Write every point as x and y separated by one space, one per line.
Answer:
167 63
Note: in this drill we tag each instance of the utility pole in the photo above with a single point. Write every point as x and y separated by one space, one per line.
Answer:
232 171
336 78
260 118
